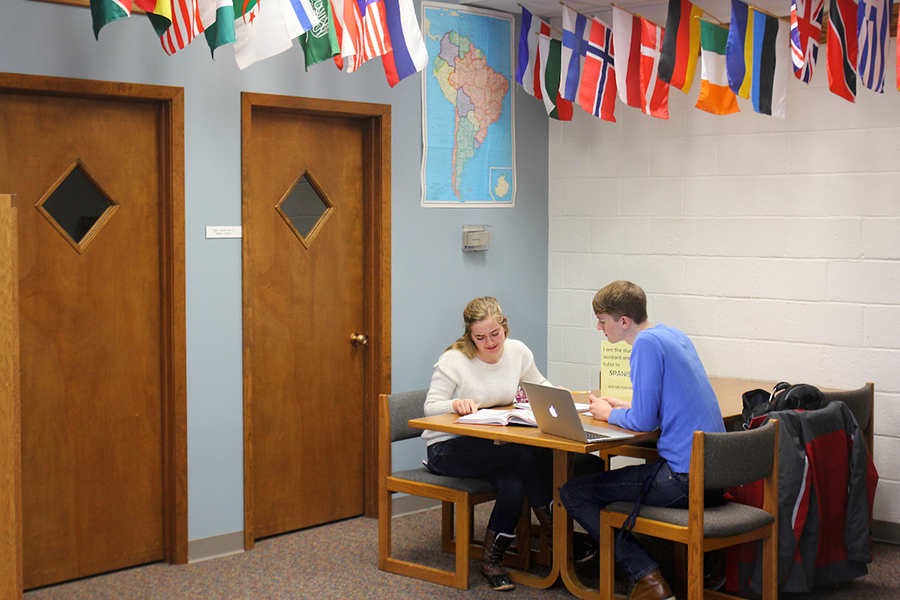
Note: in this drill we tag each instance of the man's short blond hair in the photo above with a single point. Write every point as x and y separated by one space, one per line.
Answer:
621 299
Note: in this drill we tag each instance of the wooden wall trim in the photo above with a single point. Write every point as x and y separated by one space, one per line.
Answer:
10 438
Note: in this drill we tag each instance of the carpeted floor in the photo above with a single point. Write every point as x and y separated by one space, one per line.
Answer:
340 561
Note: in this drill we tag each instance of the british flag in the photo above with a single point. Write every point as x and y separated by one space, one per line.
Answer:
806 26
597 94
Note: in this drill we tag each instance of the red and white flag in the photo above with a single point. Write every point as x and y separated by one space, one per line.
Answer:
627 50
655 91
360 36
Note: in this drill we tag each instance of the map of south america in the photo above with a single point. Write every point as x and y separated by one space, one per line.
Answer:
476 92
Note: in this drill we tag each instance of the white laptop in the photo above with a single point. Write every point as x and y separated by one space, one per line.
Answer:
555 413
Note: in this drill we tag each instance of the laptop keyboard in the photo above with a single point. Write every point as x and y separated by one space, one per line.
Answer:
595 437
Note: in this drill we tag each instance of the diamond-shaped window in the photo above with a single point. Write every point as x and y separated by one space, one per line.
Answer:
77 206
305 208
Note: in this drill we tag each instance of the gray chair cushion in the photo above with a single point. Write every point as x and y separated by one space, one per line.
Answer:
405 406
739 457
471 485
724 520
859 402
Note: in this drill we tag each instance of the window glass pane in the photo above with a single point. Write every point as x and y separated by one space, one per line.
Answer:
76 204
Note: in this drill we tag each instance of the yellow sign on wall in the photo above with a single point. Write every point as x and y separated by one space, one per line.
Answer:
615 370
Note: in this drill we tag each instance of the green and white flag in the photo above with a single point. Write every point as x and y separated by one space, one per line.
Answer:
320 43
107 11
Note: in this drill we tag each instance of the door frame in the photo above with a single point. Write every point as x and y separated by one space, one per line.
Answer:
170 103
376 119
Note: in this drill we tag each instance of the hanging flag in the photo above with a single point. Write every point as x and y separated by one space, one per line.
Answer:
189 20
408 54
320 43
346 32
734 51
806 27
627 50
715 95
757 69
107 11
305 13
219 27
557 106
841 47
159 12
528 72
597 93
363 36
872 40
574 44
681 45
654 91
268 29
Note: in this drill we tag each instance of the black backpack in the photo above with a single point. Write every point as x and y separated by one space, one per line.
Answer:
784 396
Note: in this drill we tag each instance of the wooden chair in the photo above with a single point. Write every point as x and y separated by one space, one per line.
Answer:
718 460
861 403
459 493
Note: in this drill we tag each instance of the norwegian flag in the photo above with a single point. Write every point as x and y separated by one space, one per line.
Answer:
597 94
842 48
806 26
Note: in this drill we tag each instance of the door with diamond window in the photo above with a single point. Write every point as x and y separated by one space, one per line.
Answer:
94 307
307 336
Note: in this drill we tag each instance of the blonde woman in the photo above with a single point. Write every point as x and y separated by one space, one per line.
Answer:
483 368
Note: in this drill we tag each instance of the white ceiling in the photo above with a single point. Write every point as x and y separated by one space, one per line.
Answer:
655 10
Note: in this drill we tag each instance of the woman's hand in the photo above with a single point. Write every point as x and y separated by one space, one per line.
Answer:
464 406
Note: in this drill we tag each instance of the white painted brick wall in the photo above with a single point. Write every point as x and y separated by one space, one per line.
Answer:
772 243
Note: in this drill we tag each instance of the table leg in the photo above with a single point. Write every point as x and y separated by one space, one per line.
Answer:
562 530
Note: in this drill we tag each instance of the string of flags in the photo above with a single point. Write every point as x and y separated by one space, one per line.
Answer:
350 32
639 61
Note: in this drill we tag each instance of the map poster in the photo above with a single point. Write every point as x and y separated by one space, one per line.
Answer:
615 370
468 108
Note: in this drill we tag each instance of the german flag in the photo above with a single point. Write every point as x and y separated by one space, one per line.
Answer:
681 45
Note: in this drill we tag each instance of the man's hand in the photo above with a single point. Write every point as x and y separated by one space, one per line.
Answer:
600 408
616 403
464 406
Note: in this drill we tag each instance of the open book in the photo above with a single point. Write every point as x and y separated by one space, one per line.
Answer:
494 416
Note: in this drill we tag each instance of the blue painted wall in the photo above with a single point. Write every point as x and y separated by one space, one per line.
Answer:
432 279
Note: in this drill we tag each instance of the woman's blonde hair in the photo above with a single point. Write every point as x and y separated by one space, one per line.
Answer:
476 311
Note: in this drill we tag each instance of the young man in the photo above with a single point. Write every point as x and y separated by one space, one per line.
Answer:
671 391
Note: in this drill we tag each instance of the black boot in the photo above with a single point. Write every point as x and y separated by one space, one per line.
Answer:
492 568
581 551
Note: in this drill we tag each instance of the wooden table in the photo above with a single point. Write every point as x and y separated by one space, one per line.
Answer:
563 453
728 392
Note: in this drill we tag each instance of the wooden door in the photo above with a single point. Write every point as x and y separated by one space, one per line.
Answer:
96 306
307 225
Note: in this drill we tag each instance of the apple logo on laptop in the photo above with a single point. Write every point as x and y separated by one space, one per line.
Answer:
553 411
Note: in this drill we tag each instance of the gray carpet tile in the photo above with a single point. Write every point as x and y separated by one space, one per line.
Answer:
340 561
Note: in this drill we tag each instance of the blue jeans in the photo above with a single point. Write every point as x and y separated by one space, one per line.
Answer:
586 496
517 472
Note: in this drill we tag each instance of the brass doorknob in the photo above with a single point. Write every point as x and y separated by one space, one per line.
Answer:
359 339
